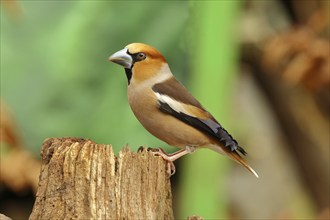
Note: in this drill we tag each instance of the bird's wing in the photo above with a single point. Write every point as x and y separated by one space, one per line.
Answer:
174 99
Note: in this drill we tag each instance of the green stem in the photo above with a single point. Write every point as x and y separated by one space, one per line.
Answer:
214 62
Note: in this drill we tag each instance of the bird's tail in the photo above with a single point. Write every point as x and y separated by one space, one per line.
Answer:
234 156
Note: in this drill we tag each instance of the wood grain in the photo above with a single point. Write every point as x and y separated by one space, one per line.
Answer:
80 179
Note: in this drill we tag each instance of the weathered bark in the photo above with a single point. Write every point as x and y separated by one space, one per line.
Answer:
83 180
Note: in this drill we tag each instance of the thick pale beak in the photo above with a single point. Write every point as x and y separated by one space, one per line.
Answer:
122 58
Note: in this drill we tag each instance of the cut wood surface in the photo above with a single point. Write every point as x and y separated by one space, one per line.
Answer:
80 179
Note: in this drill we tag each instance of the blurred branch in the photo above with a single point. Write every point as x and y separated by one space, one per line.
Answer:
292 68
301 121
19 169
8 129
300 57
300 10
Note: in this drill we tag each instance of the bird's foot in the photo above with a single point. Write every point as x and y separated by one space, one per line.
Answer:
169 158
170 165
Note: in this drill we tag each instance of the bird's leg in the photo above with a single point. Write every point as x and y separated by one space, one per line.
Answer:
176 155
169 158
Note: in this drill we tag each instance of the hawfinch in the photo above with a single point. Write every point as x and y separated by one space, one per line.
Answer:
167 110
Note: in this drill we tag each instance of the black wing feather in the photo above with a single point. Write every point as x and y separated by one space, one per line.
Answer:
207 126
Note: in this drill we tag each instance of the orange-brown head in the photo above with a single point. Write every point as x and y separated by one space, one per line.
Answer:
141 61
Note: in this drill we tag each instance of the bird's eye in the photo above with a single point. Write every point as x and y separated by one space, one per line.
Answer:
140 56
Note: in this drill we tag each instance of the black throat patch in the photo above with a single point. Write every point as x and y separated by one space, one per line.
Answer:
128 71
128 75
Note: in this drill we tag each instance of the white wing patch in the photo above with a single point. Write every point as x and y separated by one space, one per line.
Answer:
174 104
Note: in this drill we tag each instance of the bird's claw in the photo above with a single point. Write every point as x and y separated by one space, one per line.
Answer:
169 163
141 148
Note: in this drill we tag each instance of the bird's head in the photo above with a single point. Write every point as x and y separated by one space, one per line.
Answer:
141 61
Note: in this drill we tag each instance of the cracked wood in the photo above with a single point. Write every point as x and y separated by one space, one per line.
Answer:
80 179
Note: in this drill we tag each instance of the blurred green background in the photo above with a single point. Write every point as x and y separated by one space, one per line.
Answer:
55 62
56 81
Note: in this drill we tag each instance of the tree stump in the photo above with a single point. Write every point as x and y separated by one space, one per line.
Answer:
80 179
